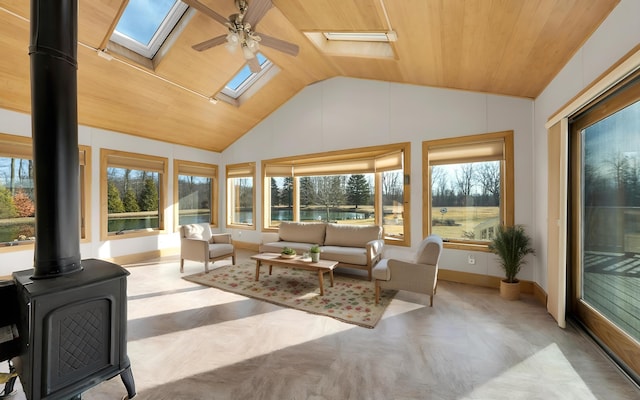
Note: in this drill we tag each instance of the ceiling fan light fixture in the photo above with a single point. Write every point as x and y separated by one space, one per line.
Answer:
232 42
246 52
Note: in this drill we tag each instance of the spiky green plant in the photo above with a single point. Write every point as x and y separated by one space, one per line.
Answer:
511 244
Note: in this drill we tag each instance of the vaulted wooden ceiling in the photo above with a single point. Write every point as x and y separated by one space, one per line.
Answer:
509 47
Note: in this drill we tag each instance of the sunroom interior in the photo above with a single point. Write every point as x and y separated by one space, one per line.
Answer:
408 95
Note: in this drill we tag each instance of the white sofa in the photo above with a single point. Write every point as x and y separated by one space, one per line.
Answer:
353 246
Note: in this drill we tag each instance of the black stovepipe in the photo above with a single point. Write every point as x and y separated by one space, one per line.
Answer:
54 115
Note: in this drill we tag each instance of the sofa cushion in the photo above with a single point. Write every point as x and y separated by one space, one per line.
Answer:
197 231
351 235
302 232
347 255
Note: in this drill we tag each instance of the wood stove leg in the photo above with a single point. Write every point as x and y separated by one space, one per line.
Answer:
129 384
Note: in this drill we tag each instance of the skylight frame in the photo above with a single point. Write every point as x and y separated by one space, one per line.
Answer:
357 36
249 81
149 50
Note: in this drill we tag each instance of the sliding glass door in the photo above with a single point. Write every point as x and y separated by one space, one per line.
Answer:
605 226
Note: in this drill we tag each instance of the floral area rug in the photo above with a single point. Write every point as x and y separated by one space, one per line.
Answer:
349 300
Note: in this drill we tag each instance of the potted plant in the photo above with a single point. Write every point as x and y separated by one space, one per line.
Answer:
511 244
314 251
287 252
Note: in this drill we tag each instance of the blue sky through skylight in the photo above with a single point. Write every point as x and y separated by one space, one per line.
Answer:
244 74
142 18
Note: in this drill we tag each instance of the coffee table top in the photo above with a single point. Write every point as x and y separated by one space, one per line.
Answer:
297 260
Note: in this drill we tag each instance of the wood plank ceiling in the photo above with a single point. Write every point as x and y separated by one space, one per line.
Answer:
509 47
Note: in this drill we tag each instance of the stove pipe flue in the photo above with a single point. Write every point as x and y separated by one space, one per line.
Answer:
54 115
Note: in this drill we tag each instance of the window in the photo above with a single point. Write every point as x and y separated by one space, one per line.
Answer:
604 214
144 25
360 186
133 188
245 83
355 44
241 197
17 201
195 192
470 182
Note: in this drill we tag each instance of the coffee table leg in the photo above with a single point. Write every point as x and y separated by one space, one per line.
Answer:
320 281
257 269
331 276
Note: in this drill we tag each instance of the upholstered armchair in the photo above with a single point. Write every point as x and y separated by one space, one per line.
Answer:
197 243
419 275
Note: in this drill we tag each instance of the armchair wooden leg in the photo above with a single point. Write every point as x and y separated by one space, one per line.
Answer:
233 259
377 292
181 265
430 301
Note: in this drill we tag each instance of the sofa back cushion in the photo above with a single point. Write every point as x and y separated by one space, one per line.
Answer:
197 231
303 232
351 235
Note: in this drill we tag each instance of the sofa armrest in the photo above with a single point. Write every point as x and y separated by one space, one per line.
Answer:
221 238
374 251
194 249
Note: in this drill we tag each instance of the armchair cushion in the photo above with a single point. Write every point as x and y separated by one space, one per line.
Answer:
197 231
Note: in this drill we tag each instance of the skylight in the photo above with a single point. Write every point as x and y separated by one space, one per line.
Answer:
145 24
357 36
244 79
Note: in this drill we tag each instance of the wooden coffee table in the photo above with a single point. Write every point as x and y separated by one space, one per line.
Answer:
321 267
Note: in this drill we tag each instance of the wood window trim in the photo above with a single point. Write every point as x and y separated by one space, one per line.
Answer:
154 163
383 153
247 170
22 147
507 175
184 167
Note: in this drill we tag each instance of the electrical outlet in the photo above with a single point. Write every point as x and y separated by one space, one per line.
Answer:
239 233
471 259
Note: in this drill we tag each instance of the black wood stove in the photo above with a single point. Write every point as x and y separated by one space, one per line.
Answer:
72 313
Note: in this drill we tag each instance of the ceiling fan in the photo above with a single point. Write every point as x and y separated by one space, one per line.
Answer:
241 31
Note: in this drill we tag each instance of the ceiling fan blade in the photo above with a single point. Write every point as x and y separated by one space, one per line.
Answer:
206 10
207 44
254 65
256 10
281 45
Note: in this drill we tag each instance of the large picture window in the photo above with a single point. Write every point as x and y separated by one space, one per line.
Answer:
241 198
358 186
195 192
470 187
133 188
17 201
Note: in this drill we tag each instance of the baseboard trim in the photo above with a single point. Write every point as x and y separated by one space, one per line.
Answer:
493 282
146 256
246 245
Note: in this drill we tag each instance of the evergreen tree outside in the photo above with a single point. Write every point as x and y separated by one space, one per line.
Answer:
357 190
306 191
114 202
149 196
286 194
275 193
7 208
130 202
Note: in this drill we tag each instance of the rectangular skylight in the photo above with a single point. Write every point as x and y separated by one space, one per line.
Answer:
357 36
145 24
245 78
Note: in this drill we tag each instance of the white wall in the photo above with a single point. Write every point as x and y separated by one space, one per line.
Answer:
344 113
16 259
615 37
